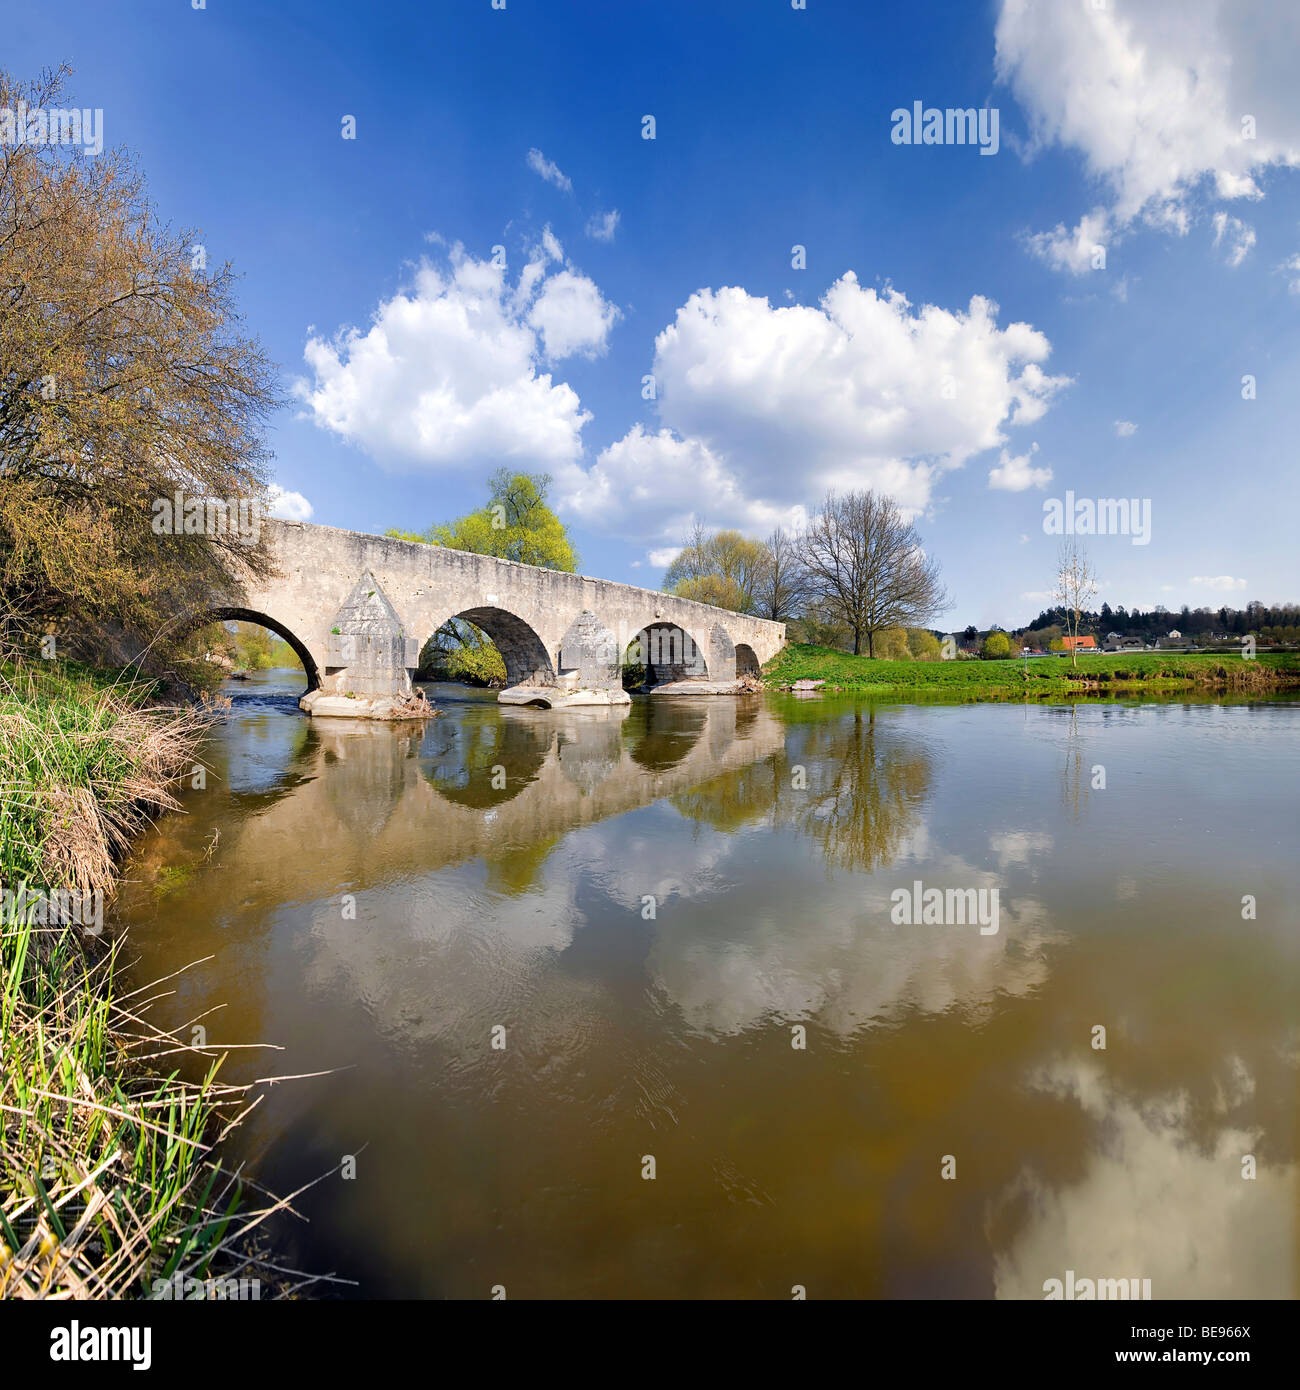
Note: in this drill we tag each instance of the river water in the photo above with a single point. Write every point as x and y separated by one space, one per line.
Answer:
627 1004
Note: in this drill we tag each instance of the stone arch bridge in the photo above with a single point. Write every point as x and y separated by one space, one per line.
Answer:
358 609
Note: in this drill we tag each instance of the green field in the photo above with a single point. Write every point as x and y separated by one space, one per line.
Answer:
1048 675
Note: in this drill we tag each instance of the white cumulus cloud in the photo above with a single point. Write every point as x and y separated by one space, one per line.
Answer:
1224 583
291 506
1016 474
1125 428
656 484
763 409
571 316
1162 100
449 372
1073 250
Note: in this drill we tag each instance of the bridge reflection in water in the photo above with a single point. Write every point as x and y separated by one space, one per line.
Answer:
650 902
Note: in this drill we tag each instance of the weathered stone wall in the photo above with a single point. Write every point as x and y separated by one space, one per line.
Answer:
526 611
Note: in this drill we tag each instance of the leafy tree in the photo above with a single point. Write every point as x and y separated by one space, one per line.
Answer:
821 628
715 589
725 569
997 645
124 376
460 651
891 644
922 644
514 524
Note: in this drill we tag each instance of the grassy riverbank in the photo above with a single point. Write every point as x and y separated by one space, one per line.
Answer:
1014 679
106 1176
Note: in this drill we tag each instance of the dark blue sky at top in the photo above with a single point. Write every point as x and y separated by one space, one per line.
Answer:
773 129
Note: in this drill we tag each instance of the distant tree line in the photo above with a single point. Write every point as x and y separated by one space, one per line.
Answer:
248 647
1280 622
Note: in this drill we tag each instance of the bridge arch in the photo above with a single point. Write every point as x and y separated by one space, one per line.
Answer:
668 651
226 613
747 663
522 650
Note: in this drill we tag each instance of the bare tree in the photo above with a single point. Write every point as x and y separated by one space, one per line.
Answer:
780 591
1076 587
866 565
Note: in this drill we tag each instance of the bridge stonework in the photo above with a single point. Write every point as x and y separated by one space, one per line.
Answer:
552 629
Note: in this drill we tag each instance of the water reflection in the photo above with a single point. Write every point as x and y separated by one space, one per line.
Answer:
649 902
855 785
1152 1156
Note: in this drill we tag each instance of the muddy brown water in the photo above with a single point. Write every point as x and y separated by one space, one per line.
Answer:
629 1004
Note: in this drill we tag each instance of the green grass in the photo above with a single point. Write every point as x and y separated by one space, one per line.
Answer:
83 758
105 1179
979 680
107 1176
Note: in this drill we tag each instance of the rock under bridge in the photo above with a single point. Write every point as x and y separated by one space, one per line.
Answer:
358 610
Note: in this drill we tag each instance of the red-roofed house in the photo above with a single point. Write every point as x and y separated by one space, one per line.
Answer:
1079 644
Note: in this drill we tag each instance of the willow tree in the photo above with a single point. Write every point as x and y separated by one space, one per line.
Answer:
865 566
725 569
515 523
125 377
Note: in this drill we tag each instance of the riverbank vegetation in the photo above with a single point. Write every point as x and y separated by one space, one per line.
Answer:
1043 675
246 647
127 390
107 1176
462 653
856 579
133 476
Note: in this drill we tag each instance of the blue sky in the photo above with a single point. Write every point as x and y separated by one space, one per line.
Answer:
419 366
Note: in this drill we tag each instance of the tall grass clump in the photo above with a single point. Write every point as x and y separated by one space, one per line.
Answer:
108 1174
84 762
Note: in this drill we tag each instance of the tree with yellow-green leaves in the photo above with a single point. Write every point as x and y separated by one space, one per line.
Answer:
726 569
515 523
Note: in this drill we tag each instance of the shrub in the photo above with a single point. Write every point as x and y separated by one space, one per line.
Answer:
890 645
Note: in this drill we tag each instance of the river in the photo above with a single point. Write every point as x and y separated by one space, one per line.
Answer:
618 1003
